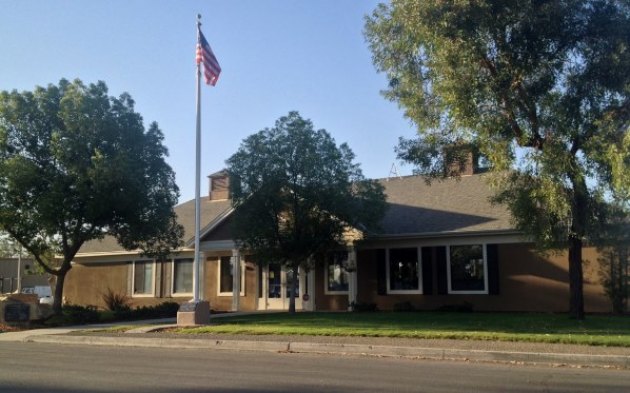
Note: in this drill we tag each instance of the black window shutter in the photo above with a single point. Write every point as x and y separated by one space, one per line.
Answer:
492 253
427 270
381 273
440 254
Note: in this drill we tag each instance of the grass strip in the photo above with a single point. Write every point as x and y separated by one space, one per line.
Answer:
596 330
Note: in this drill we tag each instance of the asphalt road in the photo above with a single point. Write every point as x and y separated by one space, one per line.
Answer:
54 368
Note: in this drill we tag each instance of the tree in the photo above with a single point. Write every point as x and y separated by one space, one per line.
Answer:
614 260
9 248
296 194
541 88
76 165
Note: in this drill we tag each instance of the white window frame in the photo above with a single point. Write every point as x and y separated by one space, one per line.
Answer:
329 292
420 289
180 294
242 272
485 291
133 278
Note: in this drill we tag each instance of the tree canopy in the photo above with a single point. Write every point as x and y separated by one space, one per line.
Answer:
296 194
9 248
76 165
540 88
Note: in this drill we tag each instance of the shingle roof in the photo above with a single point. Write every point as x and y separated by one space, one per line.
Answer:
210 210
445 206
450 206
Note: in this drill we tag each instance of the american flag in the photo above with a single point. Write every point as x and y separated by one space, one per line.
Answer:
211 67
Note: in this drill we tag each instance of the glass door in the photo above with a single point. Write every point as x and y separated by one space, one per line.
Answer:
274 288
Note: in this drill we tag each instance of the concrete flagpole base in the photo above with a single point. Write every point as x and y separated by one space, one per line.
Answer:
193 313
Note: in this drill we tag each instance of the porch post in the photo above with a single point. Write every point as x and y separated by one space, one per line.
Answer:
311 289
202 274
236 279
352 277
265 286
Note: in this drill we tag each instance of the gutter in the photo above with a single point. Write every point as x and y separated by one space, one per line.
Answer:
433 235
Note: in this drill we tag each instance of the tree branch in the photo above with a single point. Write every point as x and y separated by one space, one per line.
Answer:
31 250
535 140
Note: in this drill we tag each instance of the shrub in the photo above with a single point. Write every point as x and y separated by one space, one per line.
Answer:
363 307
464 307
116 301
404 306
167 309
123 314
614 263
76 315
162 310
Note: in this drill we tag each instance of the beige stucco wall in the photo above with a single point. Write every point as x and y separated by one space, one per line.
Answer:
86 284
527 281
247 301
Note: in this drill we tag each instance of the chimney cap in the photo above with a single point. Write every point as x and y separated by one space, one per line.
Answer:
221 173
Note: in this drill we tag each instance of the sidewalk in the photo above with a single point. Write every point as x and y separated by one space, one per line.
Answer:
462 350
26 335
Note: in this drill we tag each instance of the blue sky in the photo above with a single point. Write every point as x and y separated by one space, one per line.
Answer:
276 56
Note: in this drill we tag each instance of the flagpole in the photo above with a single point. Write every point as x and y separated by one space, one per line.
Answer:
197 263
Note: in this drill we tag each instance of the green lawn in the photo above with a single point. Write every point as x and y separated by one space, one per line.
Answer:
548 328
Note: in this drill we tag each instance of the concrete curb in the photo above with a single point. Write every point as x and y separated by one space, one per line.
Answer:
149 342
556 359
584 360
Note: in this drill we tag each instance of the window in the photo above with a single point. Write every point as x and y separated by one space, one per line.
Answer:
336 274
143 278
467 269
226 276
403 275
182 276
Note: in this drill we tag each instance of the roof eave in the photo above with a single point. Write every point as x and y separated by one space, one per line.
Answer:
119 253
210 227
432 235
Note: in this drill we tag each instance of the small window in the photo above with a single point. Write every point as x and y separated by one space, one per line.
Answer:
182 276
336 274
467 269
403 275
142 278
226 276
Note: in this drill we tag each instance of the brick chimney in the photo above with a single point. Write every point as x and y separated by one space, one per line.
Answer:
460 160
219 186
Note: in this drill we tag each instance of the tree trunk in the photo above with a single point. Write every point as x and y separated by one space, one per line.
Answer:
294 282
576 279
625 274
579 208
58 296
60 278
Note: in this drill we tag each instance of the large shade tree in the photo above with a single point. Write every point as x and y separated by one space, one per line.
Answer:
76 165
297 194
540 88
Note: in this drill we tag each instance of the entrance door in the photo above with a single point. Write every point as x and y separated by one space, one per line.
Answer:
274 288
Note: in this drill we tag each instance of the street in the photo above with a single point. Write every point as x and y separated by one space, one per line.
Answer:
52 368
